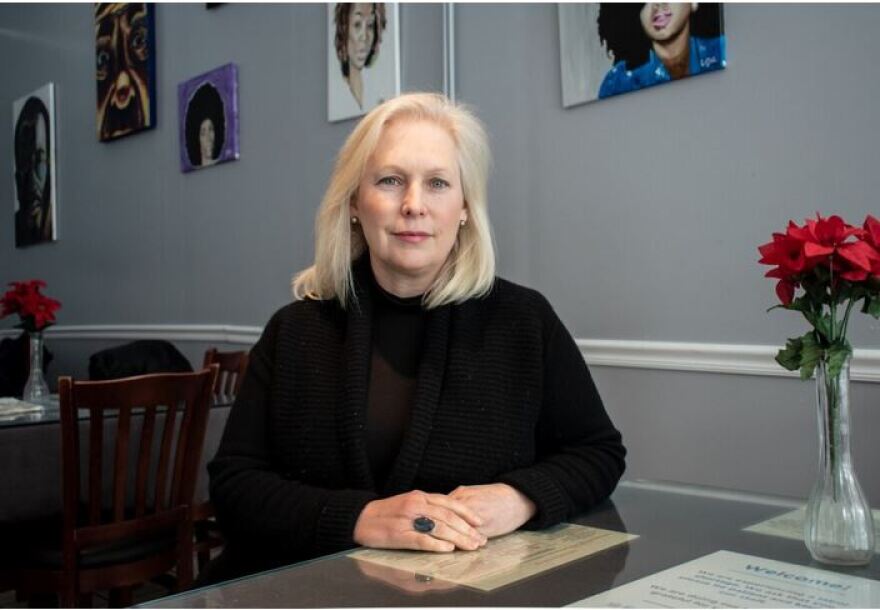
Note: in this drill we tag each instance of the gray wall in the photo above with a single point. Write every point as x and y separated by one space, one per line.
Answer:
638 216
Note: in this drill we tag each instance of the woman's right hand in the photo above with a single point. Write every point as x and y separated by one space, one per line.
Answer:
388 524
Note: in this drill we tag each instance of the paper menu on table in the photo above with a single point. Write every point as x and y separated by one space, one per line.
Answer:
732 580
503 560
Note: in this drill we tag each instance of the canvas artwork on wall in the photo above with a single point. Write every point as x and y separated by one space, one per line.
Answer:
33 128
363 57
208 113
125 60
608 48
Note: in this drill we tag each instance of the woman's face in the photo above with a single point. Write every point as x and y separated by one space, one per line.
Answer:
663 21
361 32
206 140
410 202
40 169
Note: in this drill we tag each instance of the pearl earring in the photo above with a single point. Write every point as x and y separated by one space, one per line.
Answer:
462 222
354 220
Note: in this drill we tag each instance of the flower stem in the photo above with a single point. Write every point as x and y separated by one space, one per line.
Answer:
831 388
849 307
832 305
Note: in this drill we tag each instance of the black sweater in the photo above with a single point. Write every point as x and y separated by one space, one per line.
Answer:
503 395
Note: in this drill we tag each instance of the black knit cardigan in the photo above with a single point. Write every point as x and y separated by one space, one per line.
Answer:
503 395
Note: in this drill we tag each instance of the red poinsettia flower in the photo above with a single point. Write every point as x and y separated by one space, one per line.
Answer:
871 237
822 235
36 310
10 305
827 239
858 260
786 252
785 287
837 265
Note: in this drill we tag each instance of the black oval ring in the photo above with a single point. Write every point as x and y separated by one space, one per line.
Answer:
423 525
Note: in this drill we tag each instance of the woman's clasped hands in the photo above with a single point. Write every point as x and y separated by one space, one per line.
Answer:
463 520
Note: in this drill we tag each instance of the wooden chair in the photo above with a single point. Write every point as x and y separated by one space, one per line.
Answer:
231 373
121 530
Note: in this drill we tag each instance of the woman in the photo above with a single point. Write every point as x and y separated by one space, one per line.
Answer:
359 28
408 399
657 42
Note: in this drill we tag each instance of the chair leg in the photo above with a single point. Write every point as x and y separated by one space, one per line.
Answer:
184 573
185 556
68 596
120 597
204 557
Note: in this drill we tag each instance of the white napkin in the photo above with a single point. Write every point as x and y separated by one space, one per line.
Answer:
14 406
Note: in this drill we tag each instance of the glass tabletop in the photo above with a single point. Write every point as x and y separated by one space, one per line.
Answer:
17 413
50 413
674 524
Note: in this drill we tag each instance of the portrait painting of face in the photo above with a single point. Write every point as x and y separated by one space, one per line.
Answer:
125 62
363 62
208 111
33 125
607 48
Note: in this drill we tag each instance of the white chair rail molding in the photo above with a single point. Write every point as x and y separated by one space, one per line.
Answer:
734 359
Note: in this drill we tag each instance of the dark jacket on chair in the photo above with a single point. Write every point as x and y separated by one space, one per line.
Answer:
137 358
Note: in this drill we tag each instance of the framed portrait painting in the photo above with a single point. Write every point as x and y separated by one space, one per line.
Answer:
606 49
363 57
125 60
208 113
33 128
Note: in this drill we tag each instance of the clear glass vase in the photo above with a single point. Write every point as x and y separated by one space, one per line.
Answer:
838 528
36 391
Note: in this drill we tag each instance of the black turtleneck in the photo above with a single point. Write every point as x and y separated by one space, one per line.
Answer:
398 334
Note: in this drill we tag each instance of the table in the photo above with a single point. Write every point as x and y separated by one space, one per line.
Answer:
30 458
675 524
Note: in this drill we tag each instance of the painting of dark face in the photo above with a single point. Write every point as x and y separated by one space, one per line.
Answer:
124 68
34 168
208 110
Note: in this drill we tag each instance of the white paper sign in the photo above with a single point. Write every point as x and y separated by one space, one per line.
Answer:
732 580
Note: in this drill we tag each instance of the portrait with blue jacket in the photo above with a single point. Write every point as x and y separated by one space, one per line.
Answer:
658 42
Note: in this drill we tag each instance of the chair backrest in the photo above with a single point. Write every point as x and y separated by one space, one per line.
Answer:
231 373
149 489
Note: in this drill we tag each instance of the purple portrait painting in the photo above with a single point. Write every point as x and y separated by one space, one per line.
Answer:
208 111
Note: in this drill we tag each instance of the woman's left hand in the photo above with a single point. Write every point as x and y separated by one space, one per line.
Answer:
501 507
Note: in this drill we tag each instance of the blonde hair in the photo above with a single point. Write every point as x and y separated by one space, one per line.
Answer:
470 268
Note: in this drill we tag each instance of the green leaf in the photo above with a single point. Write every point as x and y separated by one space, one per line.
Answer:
811 354
798 304
823 325
789 357
822 274
873 308
837 355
